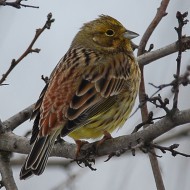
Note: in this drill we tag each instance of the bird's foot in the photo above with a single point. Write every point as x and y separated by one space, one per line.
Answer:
79 144
106 136
87 160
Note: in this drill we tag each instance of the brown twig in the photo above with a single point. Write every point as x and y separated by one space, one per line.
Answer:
181 22
161 12
160 87
159 103
16 4
182 80
30 49
148 121
171 149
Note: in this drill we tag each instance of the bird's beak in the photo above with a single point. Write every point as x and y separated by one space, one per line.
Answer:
130 35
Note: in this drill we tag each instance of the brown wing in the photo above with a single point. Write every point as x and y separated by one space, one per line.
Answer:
98 90
82 85
55 97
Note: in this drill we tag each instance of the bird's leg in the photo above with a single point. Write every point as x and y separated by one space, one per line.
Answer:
79 144
106 136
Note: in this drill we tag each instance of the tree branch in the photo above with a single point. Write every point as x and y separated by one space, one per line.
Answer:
162 52
30 49
6 172
161 12
19 118
16 4
14 143
181 22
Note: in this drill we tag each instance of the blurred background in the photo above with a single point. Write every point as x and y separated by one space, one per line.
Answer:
17 28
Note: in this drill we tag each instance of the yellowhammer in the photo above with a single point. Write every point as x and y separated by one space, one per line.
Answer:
91 91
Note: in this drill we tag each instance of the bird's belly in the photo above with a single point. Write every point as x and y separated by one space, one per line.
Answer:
110 120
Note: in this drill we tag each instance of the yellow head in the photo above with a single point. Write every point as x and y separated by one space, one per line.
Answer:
104 34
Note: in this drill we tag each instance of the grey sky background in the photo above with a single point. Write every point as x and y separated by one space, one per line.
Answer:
17 28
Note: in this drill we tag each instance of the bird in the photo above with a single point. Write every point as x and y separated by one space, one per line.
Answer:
91 91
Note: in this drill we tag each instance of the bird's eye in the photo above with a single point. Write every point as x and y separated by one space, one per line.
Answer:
110 32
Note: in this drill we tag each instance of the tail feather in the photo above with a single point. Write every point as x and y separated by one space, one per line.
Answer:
37 159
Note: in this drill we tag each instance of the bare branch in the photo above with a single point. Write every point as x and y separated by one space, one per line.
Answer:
161 12
171 149
6 172
182 80
14 143
30 49
144 109
180 17
16 4
18 118
148 121
162 52
159 103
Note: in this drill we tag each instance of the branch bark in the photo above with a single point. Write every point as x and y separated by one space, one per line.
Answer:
162 52
14 143
19 118
6 171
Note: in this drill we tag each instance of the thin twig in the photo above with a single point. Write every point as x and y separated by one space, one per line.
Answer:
182 80
148 121
159 103
16 4
181 22
160 87
161 12
30 49
171 149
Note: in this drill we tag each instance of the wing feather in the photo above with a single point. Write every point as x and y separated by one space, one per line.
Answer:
78 90
96 93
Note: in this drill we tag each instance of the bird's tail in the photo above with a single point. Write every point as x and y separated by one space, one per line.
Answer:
37 159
